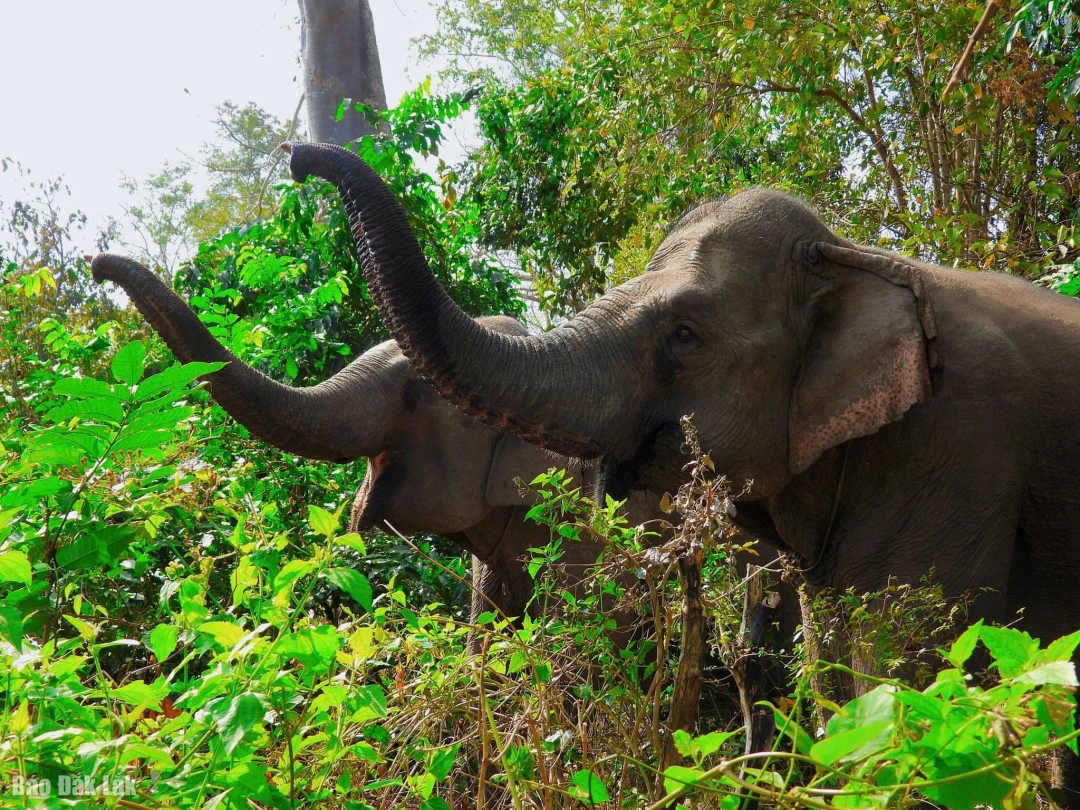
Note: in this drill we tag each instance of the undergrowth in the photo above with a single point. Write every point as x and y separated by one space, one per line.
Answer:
221 679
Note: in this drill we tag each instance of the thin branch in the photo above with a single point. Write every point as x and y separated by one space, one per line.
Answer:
973 40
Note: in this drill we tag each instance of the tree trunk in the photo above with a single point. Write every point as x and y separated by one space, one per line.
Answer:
341 61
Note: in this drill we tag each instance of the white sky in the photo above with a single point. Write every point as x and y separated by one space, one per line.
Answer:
92 89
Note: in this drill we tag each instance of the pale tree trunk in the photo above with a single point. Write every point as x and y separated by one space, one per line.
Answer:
341 61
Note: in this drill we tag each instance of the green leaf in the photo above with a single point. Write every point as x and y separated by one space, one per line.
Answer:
440 761
1062 673
354 584
14 567
86 630
163 640
102 547
142 694
852 744
1011 649
588 788
173 378
710 743
793 731
235 718
291 572
676 778
97 409
684 744
353 541
225 634
1062 649
313 647
874 707
11 626
321 521
85 388
127 365
370 703
964 646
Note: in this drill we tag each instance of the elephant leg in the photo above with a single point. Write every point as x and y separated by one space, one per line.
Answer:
488 593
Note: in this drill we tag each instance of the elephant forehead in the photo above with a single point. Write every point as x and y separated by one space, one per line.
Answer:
756 224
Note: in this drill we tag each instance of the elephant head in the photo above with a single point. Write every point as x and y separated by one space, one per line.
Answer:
781 338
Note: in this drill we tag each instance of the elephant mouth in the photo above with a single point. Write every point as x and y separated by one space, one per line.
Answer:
371 505
649 467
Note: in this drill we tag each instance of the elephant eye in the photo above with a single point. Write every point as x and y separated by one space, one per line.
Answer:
685 336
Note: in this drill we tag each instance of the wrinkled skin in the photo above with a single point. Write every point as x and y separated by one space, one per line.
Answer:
953 395
431 469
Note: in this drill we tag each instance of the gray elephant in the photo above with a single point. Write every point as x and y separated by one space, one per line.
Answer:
431 469
892 416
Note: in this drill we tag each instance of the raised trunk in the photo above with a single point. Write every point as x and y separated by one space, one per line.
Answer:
341 61
571 390
340 419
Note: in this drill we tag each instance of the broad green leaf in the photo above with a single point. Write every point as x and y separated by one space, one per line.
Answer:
127 365
102 547
85 388
964 646
105 409
684 744
148 441
165 421
370 703
225 634
163 640
138 693
137 750
873 707
291 572
1062 673
14 567
321 521
353 541
710 743
793 731
85 629
1062 649
440 761
852 744
677 778
11 626
354 584
174 377
922 706
313 647
1011 649
588 788
236 717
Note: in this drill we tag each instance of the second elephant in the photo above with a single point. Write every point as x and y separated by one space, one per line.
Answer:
430 469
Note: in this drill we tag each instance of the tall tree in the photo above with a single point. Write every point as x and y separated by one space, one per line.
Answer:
341 61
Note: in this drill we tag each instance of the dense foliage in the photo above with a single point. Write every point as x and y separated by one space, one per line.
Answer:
182 620
613 118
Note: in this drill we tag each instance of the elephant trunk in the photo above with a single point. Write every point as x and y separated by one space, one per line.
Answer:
340 419
564 390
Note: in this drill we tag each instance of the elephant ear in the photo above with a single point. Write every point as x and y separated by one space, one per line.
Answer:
515 458
869 354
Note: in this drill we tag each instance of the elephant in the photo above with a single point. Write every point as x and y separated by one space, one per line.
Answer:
887 416
431 469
